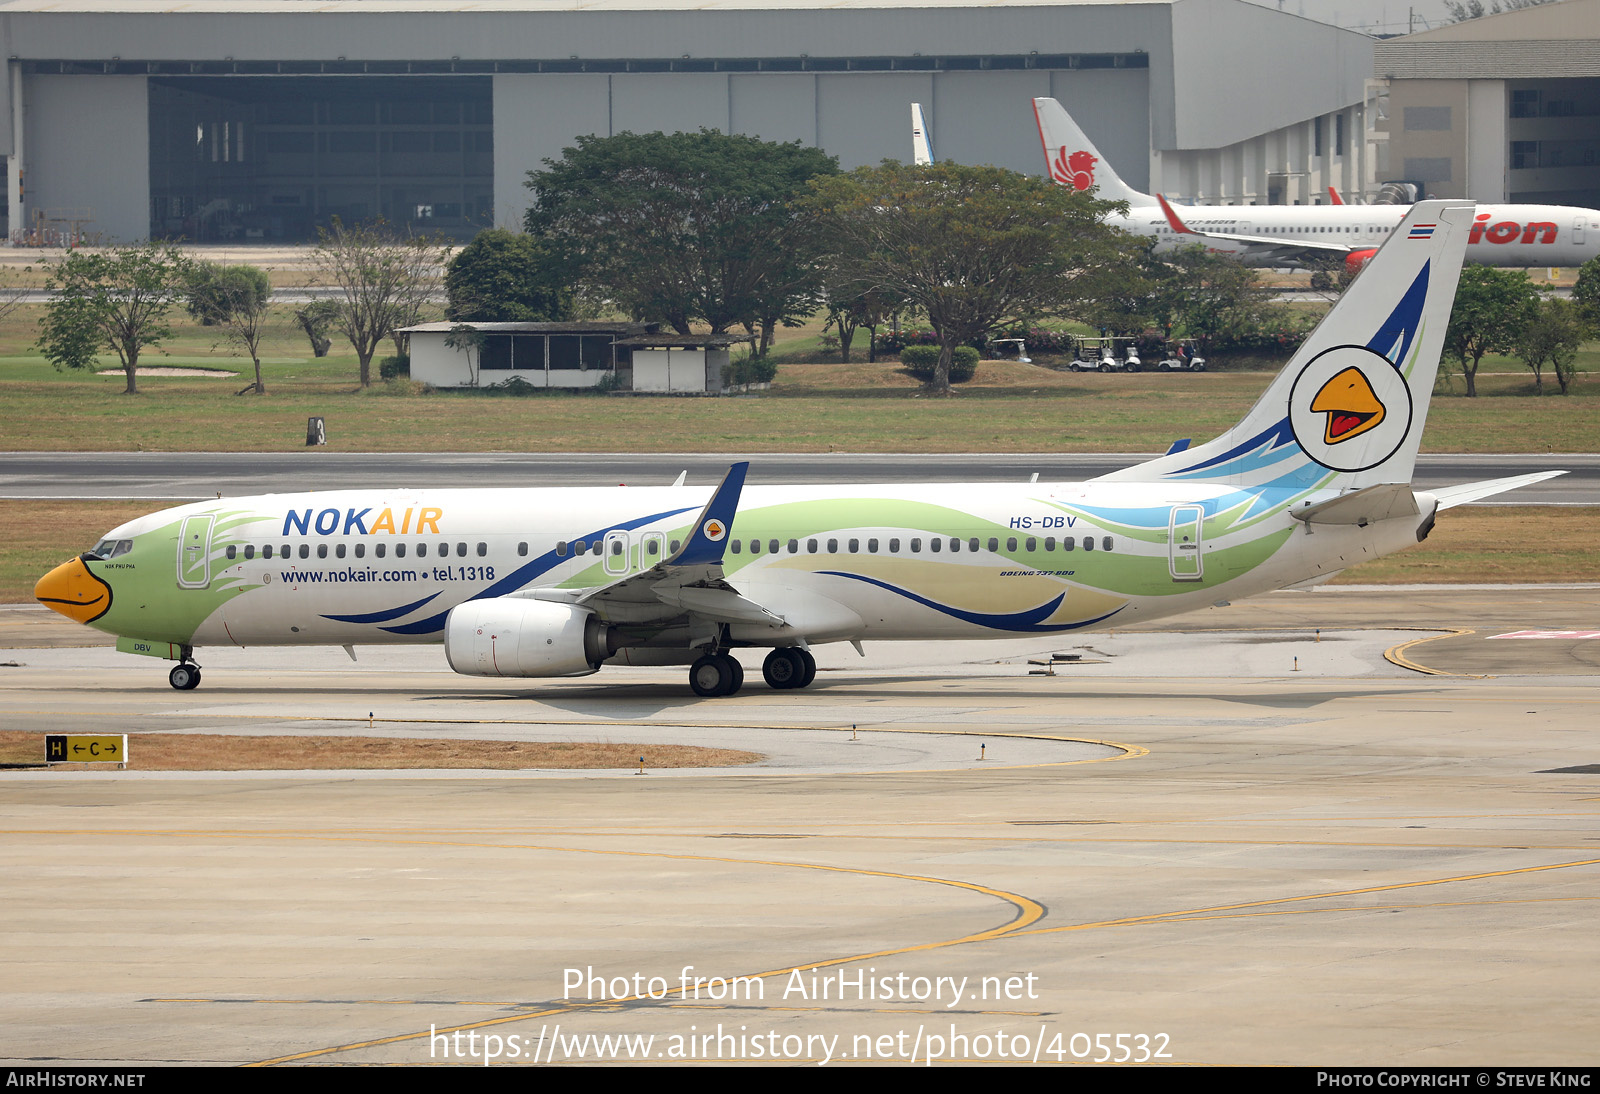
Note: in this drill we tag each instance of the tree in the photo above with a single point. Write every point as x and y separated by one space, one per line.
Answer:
1586 293
505 277
467 339
234 298
315 318
1462 10
684 227
1491 310
1552 337
975 248
383 282
117 298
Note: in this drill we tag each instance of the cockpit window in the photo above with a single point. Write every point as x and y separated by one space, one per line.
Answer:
111 548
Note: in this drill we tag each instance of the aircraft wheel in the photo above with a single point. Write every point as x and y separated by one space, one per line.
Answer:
738 673
711 676
810 672
184 677
783 668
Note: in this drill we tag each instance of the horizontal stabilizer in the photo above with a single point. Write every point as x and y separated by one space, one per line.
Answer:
1368 505
1452 496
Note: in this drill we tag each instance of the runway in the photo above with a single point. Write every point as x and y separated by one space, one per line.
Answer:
207 474
1258 841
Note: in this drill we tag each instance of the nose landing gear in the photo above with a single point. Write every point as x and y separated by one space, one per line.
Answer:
185 676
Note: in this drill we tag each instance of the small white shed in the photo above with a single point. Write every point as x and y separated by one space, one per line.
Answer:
678 364
540 354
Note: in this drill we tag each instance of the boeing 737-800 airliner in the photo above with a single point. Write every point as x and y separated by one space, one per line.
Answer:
558 582
1295 235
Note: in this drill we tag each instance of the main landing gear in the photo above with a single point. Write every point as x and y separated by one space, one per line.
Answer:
719 674
789 667
184 676
716 674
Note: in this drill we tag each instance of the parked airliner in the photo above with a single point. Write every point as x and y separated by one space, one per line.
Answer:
558 582
1296 235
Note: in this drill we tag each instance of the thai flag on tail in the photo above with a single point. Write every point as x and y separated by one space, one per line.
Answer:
1422 231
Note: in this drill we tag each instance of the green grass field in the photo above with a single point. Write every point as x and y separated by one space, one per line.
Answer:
812 406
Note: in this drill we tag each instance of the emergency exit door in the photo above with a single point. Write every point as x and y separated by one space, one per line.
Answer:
1183 543
194 552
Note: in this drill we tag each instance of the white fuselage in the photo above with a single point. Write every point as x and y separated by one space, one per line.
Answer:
832 563
1502 235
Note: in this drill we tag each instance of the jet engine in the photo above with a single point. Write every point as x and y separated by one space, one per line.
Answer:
514 637
1357 259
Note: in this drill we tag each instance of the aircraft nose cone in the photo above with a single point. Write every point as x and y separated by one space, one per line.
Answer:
74 592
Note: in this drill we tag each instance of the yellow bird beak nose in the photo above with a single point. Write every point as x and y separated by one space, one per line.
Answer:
74 592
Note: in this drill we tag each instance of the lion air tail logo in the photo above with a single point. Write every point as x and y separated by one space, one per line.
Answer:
1351 406
1076 170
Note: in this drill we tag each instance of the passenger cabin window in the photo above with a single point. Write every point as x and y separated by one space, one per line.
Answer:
483 550
380 549
361 550
232 551
338 551
399 550
561 548
1105 544
305 550
322 550
249 550
422 550
522 549
833 546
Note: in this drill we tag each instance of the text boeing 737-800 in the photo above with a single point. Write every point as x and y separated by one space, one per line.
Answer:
1297 235
558 582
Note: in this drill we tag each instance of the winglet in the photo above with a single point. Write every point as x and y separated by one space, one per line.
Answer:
1172 218
711 528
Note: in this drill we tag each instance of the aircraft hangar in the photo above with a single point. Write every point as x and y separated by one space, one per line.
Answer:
260 120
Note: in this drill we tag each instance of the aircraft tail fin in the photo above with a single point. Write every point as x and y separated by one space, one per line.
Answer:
1348 410
1073 160
921 146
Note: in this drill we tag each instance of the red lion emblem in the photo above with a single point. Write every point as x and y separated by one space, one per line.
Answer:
1076 170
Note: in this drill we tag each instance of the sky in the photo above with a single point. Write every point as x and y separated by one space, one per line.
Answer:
1371 16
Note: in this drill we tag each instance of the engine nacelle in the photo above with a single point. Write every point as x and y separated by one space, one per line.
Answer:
514 637
1357 259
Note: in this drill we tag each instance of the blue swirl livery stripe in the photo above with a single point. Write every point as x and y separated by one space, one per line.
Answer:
527 572
1396 333
383 616
1251 453
1025 622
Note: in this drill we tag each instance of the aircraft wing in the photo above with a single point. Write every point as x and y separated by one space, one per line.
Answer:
691 580
1451 496
1261 245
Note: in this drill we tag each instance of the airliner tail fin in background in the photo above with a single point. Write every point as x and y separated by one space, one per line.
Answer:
1348 410
1073 160
921 146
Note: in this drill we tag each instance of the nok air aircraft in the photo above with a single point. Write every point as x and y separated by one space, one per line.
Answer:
560 582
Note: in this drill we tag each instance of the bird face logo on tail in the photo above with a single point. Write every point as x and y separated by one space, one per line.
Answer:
1351 405
1350 408
1076 170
